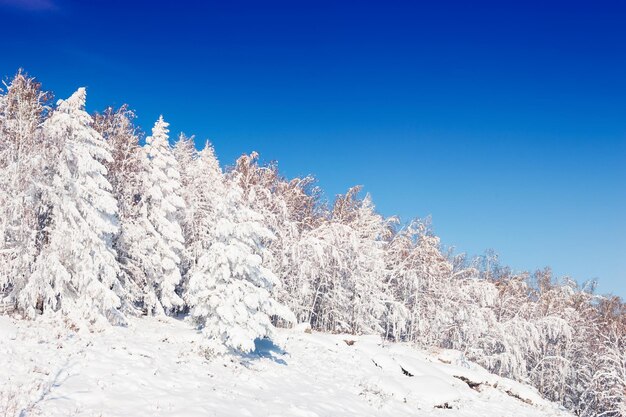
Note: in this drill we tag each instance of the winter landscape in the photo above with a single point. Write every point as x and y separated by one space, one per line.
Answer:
145 280
141 275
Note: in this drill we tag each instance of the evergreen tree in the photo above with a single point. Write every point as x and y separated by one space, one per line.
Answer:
163 242
229 290
76 271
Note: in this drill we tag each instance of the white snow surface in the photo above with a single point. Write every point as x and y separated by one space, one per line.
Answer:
153 367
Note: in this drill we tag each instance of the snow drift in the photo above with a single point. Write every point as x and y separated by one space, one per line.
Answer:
154 367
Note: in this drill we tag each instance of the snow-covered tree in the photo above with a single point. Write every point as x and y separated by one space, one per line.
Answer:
23 175
422 278
368 236
508 336
289 208
607 394
76 271
204 194
341 263
229 291
322 270
162 244
186 155
124 171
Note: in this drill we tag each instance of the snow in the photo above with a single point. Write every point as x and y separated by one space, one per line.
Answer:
96 228
153 367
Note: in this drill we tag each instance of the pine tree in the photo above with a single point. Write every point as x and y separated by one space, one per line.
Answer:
163 242
229 290
76 271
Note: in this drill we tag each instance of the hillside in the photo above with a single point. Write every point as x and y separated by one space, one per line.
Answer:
153 367
100 222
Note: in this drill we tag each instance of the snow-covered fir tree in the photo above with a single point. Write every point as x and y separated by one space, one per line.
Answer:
162 243
76 271
229 291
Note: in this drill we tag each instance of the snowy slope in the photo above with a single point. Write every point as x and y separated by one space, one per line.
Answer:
153 368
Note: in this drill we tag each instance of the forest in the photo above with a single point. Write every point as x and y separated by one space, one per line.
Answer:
99 223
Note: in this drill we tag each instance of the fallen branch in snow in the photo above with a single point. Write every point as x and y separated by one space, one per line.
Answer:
473 385
476 386
514 395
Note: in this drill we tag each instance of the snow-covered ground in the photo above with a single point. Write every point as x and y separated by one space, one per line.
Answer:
153 368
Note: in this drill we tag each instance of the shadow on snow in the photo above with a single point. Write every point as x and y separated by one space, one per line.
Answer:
265 349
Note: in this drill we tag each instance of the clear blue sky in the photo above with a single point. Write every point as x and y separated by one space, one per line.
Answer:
505 122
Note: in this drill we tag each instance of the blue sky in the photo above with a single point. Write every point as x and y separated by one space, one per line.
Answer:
504 121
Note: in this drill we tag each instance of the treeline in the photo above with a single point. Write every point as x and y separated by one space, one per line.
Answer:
96 227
